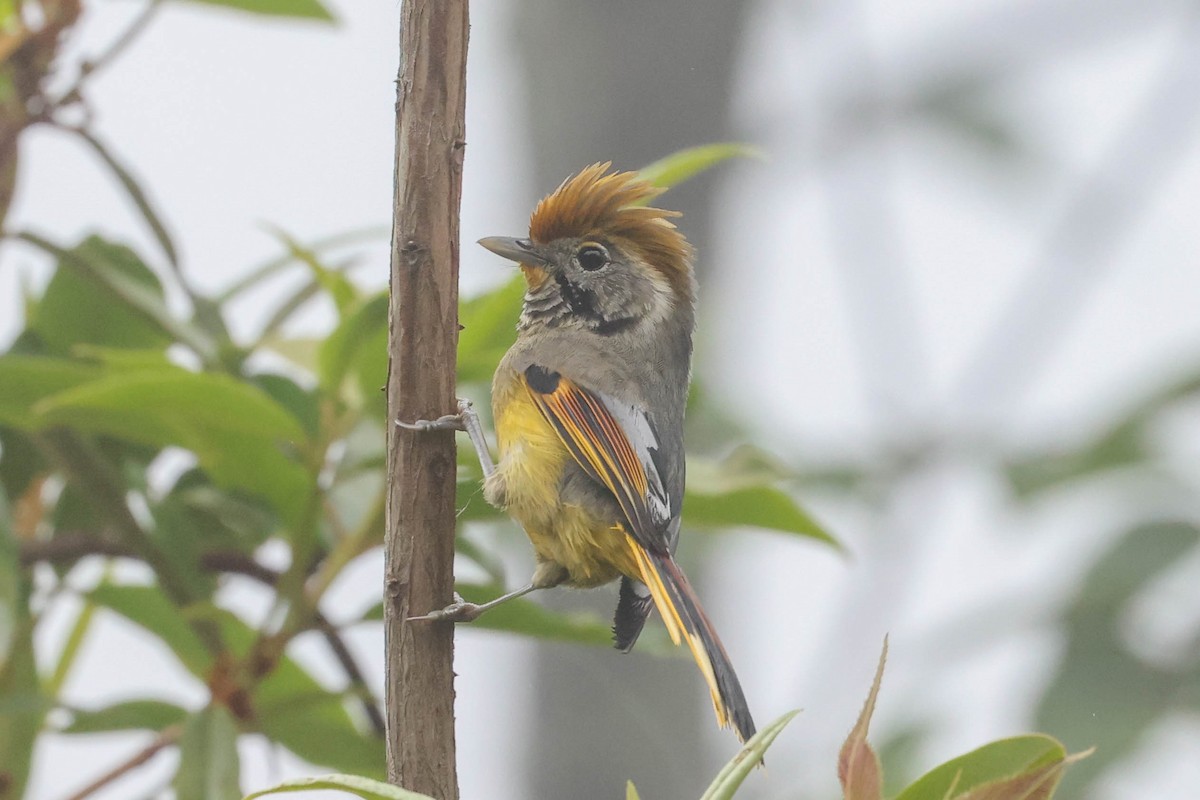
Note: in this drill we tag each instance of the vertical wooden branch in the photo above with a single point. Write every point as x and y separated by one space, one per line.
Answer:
419 543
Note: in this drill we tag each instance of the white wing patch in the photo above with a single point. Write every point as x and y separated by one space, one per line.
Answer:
641 436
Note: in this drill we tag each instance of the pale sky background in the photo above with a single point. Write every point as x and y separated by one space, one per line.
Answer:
233 123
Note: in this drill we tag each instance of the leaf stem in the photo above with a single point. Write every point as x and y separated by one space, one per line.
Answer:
71 648
67 547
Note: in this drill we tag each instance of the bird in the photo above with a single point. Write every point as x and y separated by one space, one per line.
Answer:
588 406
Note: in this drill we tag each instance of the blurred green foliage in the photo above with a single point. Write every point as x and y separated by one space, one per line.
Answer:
113 376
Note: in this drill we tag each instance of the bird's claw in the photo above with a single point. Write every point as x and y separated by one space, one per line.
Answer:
458 611
446 422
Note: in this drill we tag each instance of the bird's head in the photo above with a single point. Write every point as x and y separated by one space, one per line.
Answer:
597 258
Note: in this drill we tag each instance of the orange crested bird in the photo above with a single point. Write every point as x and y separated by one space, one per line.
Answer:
589 404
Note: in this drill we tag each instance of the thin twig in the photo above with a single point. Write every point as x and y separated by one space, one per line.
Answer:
118 45
166 738
69 547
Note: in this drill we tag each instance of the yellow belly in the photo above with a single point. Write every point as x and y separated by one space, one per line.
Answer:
592 549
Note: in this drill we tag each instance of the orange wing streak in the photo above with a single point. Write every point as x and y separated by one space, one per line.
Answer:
612 459
632 468
566 408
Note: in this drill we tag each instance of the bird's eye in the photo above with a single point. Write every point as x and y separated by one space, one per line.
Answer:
592 257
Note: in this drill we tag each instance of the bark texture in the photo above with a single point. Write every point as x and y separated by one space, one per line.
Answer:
419 544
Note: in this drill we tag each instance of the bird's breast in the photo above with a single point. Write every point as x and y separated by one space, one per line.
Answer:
531 456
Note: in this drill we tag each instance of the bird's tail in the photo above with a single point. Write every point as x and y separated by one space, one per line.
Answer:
686 622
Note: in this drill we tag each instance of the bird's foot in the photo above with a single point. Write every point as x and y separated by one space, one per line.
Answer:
467 419
458 611
446 422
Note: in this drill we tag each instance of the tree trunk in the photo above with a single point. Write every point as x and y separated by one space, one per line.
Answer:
419 543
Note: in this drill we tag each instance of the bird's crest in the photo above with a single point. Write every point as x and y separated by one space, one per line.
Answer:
592 205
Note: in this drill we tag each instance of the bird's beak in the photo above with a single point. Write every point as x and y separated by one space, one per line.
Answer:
522 251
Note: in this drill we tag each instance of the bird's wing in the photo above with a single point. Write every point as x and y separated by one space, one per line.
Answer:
616 444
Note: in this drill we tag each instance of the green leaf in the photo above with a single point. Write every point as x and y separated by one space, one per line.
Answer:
744 466
182 535
118 276
683 164
350 784
69 652
256 275
900 752
234 428
21 463
23 705
631 792
128 715
859 770
757 506
208 757
1001 762
1123 444
358 344
288 306
300 403
70 312
301 351
313 723
177 404
333 281
212 518
9 20
489 328
297 9
149 608
1035 784
12 584
123 359
741 490
751 755
22 710
1098 656
28 379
